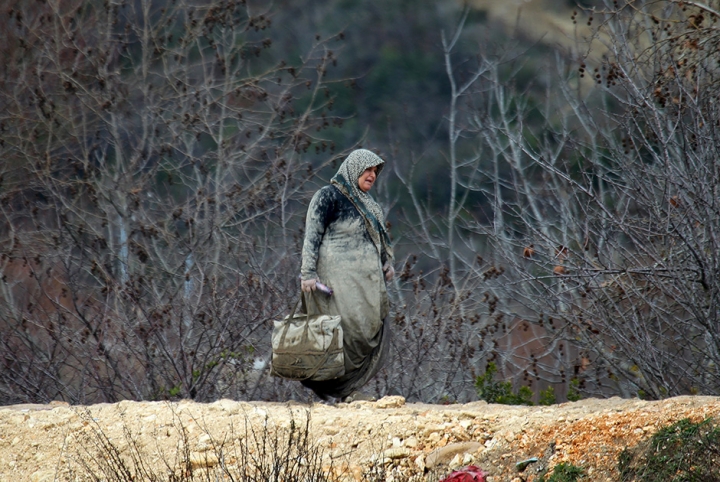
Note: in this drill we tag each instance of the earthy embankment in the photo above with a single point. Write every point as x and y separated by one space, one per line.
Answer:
51 442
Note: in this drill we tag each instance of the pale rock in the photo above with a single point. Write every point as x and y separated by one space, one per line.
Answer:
46 425
226 405
420 462
429 429
449 452
75 426
124 405
43 476
204 443
203 459
392 401
17 419
434 437
469 414
396 453
411 442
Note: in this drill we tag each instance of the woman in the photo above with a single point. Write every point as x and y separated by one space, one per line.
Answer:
347 248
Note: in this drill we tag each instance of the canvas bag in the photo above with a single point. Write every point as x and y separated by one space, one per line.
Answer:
307 347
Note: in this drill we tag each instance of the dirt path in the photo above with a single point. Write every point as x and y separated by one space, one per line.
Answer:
38 442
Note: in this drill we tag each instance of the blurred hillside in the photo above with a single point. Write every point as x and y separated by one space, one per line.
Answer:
394 52
545 21
393 84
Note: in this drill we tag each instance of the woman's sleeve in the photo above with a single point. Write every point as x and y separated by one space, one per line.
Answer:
316 223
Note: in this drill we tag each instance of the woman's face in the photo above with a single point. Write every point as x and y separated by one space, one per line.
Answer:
367 178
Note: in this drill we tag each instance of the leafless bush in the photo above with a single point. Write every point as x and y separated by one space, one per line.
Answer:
263 449
153 160
605 216
657 296
598 260
455 309
644 288
253 453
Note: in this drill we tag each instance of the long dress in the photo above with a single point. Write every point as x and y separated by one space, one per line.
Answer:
340 253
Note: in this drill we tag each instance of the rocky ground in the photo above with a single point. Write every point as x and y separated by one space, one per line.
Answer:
389 438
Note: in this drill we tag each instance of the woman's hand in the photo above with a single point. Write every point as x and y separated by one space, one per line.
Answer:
308 285
388 270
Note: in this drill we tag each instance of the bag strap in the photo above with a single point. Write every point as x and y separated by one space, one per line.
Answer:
326 357
291 317
299 302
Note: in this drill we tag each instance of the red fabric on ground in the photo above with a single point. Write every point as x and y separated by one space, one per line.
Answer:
470 473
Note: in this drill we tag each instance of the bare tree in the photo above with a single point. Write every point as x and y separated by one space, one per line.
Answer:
658 297
153 158
597 265
605 214
446 321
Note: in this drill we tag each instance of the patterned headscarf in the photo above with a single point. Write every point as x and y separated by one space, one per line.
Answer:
346 180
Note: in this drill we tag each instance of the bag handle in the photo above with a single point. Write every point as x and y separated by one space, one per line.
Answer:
297 303
290 319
